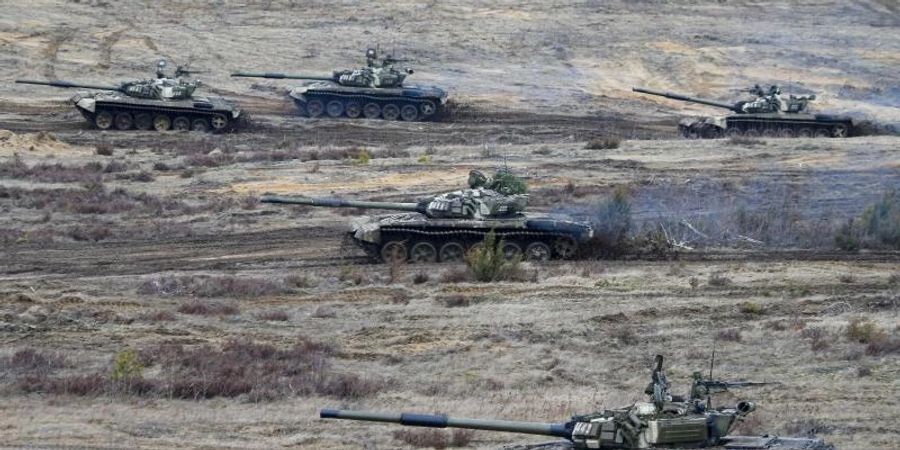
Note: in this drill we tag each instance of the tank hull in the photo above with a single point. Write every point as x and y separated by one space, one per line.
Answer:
414 237
116 111
767 125
408 103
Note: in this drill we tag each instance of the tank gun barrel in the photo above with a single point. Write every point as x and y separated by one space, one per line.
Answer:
282 76
68 84
685 98
441 421
341 203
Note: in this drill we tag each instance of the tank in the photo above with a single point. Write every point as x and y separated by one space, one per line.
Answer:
768 114
664 420
376 91
443 228
162 103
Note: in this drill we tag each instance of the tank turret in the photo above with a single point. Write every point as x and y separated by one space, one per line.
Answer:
159 103
768 114
663 421
444 227
374 91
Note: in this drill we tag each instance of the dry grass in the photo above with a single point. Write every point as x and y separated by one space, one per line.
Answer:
213 286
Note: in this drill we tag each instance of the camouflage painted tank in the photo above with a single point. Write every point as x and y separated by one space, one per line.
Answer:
769 114
160 104
372 92
443 228
664 420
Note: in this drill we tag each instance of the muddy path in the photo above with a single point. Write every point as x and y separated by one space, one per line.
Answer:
464 126
284 250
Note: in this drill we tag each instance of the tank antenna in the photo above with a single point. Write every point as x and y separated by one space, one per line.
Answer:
712 362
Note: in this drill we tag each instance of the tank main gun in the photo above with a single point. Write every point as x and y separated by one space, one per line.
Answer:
285 76
341 203
70 84
736 108
563 430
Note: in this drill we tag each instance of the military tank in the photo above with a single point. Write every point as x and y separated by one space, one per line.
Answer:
160 104
769 114
443 228
664 420
372 92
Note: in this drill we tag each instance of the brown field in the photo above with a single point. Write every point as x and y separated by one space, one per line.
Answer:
147 300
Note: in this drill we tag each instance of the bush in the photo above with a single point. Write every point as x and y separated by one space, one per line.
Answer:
718 280
104 149
212 286
487 262
731 335
453 301
751 308
126 366
611 220
432 438
881 221
864 331
200 308
275 316
604 143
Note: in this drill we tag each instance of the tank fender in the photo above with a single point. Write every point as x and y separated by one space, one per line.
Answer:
86 103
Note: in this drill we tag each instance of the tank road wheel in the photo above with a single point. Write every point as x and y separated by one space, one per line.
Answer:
770 132
823 133
200 125
423 252
314 108
787 133
353 110
181 123
476 247
691 133
394 252
537 251
427 108
452 252
751 133
390 112
372 111
840 131
334 109
219 122
162 122
510 250
104 120
124 121
733 133
565 247
143 121
805 132
409 113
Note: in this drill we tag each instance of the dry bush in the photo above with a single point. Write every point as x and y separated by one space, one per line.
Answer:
820 339
32 361
624 334
455 275
882 344
420 278
301 281
877 227
212 286
104 149
91 172
751 308
274 315
142 177
611 220
718 280
864 331
93 199
730 335
433 438
847 278
453 300
604 143
201 308
159 316
743 141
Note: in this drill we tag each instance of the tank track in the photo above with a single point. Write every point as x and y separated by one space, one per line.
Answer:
755 126
354 106
145 117
517 242
762 127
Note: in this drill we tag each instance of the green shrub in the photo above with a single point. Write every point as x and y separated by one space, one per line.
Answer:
881 220
126 366
487 262
864 331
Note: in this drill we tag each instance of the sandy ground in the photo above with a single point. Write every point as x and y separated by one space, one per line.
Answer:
84 233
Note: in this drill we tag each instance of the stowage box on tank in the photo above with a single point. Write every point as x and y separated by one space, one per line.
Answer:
443 228
769 114
161 104
372 92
